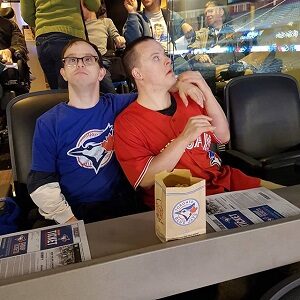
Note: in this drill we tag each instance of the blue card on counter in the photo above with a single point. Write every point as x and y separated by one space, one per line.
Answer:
233 219
266 213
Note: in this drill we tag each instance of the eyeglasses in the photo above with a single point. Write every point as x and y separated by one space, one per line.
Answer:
86 60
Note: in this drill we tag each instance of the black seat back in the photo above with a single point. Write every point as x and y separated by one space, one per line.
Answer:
22 113
263 112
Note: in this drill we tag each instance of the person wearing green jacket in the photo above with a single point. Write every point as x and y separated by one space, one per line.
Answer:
56 22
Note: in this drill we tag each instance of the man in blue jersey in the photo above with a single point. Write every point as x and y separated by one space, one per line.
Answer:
74 173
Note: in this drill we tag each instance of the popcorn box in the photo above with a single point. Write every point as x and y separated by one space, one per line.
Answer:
180 206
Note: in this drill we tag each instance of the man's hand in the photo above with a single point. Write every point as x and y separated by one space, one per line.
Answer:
6 56
186 89
131 5
195 127
71 220
195 78
203 58
120 42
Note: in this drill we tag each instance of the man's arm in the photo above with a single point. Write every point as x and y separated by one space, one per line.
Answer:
114 33
18 41
179 26
28 11
211 105
215 112
43 180
135 26
45 192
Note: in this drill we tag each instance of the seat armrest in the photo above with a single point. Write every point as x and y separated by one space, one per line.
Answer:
292 155
241 161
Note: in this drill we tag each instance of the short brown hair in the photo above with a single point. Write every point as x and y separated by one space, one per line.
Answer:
130 55
76 40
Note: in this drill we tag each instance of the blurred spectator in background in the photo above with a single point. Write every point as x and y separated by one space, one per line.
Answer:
216 34
14 80
12 41
56 23
101 28
99 31
144 23
152 18
221 42
12 50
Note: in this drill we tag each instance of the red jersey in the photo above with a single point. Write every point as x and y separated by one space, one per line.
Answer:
141 134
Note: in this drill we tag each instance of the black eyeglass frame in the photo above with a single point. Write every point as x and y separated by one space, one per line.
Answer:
79 58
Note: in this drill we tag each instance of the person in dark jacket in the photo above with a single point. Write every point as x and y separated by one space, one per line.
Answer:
12 41
146 23
143 23
56 23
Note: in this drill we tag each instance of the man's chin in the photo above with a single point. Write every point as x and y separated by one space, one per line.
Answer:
171 82
81 83
172 77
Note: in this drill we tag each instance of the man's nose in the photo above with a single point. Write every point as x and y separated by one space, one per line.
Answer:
167 61
80 62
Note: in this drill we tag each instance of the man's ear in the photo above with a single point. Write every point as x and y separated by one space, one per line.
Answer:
63 74
102 73
136 74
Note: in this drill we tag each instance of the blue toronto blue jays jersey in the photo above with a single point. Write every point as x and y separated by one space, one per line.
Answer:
78 145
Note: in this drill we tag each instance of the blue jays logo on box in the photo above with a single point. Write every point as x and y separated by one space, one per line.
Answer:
185 212
233 219
55 237
94 148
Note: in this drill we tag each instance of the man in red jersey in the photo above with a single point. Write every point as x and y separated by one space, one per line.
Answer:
157 132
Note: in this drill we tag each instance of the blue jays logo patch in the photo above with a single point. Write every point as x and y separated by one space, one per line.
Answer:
214 159
94 148
185 212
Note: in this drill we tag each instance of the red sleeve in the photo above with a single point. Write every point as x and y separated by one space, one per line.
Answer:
131 149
